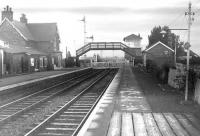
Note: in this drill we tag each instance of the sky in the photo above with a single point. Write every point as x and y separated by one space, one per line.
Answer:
109 20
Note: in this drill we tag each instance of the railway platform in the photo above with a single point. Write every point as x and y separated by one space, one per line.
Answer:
14 81
124 110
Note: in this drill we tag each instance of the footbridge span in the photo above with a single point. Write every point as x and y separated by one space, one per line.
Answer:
134 52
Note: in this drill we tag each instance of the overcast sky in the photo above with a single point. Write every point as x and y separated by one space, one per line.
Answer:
109 20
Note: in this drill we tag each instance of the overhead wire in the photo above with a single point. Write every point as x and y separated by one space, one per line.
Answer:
197 8
182 13
176 18
180 22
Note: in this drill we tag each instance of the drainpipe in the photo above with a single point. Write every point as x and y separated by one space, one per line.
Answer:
1 56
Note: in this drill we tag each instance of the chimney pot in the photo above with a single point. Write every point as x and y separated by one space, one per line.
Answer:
23 19
7 13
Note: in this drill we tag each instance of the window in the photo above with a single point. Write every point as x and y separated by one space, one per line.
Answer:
6 44
59 61
32 61
53 61
166 52
45 62
41 61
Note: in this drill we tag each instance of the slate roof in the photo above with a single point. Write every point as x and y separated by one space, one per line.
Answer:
158 43
136 51
23 29
43 31
30 32
184 54
35 31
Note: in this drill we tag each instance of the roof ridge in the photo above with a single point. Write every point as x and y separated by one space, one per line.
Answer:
15 27
44 23
34 31
161 44
34 23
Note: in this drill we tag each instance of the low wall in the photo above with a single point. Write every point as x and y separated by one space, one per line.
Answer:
176 76
197 92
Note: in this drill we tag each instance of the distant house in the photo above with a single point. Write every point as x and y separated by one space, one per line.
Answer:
182 55
133 40
27 46
159 53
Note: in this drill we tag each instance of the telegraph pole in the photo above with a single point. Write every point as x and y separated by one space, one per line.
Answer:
187 46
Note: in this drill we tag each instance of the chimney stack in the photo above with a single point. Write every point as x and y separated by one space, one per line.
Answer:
23 19
7 13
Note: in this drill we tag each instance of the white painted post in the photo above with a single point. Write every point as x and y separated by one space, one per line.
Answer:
145 59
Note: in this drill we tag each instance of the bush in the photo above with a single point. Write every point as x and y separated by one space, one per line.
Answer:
161 72
138 61
70 62
163 77
151 66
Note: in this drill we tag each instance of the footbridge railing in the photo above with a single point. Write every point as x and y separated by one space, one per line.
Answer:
108 46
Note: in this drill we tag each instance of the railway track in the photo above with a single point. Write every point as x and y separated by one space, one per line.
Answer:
33 85
13 109
68 120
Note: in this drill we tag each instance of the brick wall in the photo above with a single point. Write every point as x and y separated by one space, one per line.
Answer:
160 55
17 63
159 50
45 46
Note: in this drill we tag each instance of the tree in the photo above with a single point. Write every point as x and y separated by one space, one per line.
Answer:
169 38
155 36
68 54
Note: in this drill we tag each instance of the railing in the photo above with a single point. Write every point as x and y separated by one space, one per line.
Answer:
104 46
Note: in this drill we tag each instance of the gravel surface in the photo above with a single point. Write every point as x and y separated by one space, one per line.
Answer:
27 121
163 98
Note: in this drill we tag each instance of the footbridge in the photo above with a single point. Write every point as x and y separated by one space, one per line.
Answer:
134 52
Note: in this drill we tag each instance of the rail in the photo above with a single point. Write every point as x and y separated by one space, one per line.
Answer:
85 98
28 102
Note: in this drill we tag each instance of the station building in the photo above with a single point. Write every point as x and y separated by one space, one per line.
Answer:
160 54
134 42
27 47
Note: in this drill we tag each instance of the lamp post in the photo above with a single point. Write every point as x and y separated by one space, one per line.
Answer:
187 45
187 74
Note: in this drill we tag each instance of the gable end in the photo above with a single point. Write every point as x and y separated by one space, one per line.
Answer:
159 43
